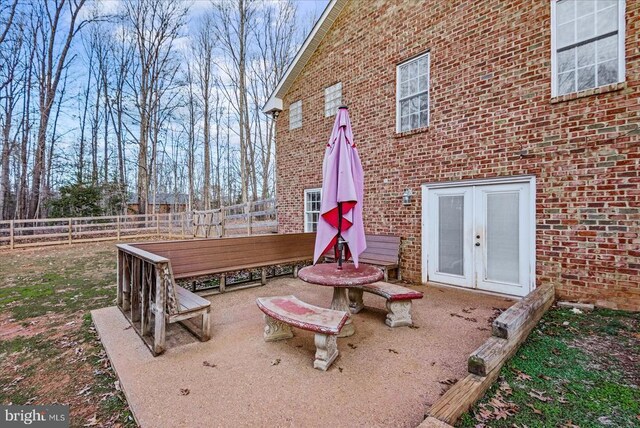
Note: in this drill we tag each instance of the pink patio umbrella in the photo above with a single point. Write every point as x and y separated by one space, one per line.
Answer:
340 224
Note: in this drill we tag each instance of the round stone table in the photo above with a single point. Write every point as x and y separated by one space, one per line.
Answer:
328 274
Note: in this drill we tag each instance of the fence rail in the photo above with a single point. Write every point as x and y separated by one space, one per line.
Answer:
236 220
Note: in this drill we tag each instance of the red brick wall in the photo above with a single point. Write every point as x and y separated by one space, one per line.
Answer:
491 115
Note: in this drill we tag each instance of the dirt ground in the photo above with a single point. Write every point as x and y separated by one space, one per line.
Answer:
49 352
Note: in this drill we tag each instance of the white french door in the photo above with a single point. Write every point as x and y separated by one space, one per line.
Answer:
481 236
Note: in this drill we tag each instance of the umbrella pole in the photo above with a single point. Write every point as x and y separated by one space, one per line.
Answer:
339 243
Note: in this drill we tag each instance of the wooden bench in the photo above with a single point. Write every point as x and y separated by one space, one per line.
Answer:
146 289
398 301
382 251
283 312
199 257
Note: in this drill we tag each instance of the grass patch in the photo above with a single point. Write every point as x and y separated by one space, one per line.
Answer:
52 353
573 370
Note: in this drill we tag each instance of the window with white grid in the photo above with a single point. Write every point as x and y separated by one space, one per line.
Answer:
312 199
295 115
588 44
332 99
412 94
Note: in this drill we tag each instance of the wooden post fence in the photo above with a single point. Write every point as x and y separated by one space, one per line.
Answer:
246 218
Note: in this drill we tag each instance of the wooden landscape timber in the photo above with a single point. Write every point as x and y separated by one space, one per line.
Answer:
485 363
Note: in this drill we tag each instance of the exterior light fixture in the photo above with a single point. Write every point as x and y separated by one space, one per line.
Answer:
406 197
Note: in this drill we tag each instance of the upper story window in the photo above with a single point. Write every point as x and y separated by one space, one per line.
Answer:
332 99
295 115
412 94
312 199
587 44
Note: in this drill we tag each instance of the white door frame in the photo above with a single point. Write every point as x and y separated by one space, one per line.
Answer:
530 179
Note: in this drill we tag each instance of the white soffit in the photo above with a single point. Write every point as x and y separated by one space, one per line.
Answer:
309 46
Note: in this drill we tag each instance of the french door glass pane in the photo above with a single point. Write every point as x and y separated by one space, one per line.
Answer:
450 234
503 237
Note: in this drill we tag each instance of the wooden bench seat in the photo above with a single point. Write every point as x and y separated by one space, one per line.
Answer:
283 312
218 256
382 251
398 301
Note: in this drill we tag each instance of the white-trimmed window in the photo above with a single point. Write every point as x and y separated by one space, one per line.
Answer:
587 44
412 94
332 99
295 115
312 198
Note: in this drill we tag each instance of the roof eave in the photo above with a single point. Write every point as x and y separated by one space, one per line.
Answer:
333 9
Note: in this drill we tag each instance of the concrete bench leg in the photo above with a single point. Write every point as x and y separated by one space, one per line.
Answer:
326 351
276 330
399 313
355 300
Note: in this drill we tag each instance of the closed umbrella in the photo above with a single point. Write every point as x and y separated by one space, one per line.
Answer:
340 226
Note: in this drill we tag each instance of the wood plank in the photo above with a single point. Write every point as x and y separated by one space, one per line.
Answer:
190 300
145 255
510 321
461 396
192 274
495 351
382 238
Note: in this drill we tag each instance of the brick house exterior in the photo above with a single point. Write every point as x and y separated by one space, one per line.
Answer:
492 114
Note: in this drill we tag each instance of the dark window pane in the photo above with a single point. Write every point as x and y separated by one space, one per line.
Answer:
607 72
586 78
566 83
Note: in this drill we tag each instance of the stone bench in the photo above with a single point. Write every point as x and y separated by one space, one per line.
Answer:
283 312
398 301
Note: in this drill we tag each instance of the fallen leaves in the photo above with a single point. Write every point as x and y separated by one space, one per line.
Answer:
533 409
184 391
393 351
463 317
451 381
208 364
352 346
275 362
92 422
498 408
539 395
520 375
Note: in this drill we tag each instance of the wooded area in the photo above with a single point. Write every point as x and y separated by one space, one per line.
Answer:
139 97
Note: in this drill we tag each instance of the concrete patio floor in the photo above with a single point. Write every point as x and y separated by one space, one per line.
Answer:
383 376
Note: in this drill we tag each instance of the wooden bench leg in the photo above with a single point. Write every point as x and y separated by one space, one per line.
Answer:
276 330
263 278
223 283
356 304
399 313
206 326
326 351
295 271
385 272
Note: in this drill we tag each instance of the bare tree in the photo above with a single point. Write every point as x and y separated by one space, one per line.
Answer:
155 26
9 87
204 51
56 33
275 40
232 25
